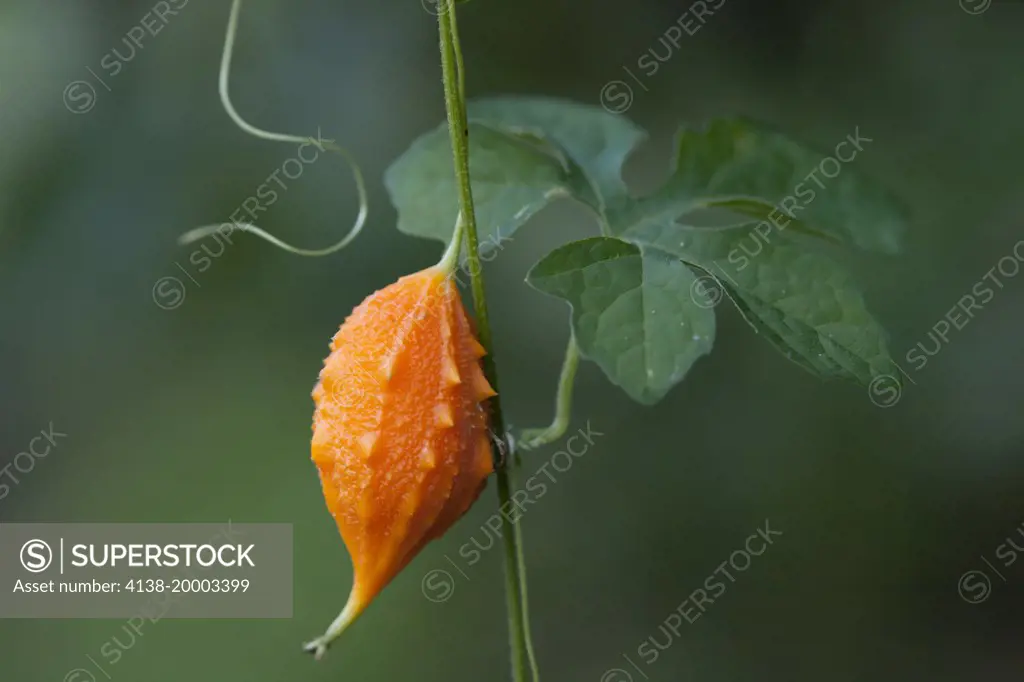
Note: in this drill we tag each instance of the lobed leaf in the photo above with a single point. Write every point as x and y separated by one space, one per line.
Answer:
799 300
595 140
632 312
511 180
751 169
639 311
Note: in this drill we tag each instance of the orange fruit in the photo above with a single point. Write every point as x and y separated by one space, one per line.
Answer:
400 432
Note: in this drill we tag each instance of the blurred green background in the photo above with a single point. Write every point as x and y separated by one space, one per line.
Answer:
201 413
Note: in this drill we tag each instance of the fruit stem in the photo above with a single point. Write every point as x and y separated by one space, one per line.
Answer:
450 259
534 438
515 574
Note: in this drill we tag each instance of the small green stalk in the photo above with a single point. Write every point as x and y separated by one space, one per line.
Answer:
458 127
534 438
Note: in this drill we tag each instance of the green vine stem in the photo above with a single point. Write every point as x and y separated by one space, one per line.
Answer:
534 438
515 576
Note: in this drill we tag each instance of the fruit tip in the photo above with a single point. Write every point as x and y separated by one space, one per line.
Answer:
318 647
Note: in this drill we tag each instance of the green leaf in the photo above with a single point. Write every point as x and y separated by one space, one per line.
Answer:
511 179
632 312
524 153
799 300
753 170
638 309
593 139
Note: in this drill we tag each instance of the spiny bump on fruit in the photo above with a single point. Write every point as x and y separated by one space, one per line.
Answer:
443 414
386 369
476 349
481 388
366 443
402 451
450 372
428 458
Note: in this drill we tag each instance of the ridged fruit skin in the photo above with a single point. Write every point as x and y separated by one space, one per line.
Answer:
400 434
